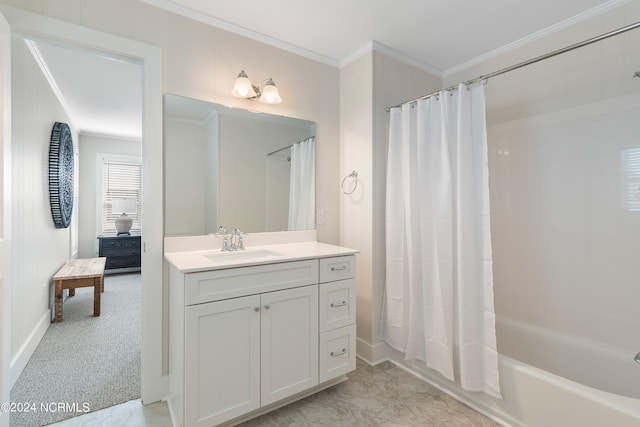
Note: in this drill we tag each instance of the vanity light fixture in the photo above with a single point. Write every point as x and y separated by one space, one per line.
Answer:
243 88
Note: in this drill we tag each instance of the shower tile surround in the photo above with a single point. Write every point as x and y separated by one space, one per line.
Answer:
382 395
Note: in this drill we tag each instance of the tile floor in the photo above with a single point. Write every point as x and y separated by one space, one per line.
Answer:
382 395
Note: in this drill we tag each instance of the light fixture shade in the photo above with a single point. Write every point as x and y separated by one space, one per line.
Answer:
270 94
243 87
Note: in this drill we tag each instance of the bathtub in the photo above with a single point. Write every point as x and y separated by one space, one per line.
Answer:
536 397
590 363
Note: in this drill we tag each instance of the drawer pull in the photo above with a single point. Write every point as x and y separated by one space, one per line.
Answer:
339 353
338 304
343 268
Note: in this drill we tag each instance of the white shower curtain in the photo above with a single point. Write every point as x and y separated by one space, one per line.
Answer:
302 186
438 304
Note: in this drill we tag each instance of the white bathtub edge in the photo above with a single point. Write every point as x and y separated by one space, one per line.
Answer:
480 403
533 397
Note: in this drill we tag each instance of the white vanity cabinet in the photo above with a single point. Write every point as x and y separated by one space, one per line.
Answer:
244 340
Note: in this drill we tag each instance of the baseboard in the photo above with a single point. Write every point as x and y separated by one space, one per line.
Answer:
479 402
26 351
373 354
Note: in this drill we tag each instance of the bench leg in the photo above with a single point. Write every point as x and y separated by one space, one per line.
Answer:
58 302
96 296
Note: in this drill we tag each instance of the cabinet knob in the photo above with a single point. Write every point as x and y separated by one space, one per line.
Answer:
267 306
256 308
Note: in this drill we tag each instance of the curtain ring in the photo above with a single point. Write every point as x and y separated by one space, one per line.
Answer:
353 175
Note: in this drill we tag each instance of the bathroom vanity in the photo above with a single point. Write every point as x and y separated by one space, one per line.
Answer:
253 330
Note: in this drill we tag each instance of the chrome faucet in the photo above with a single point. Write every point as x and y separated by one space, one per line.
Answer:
225 239
231 242
237 244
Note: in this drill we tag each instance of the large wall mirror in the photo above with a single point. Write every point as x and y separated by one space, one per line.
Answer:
233 167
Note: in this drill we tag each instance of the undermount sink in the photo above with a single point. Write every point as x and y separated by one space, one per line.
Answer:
240 255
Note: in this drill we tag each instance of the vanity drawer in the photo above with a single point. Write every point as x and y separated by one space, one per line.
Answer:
217 285
337 352
337 304
337 268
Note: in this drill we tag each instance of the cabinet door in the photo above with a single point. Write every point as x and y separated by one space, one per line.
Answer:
289 342
222 360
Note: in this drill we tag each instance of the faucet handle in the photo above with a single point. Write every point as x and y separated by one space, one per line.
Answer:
239 245
225 238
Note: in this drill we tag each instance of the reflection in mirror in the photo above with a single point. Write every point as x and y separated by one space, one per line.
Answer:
232 167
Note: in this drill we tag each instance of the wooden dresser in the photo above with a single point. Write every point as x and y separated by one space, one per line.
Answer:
123 252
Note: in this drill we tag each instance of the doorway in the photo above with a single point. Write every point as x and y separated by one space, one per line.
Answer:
36 27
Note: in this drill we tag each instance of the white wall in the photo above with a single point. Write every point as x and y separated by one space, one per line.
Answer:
39 249
90 147
356 137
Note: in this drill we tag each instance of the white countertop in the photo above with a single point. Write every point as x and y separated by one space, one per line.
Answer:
189 261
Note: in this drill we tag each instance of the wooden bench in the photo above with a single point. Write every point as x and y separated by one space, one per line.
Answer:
79 273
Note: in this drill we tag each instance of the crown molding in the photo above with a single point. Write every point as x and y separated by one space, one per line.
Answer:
586 15
374 46
105 135
241 31
44 68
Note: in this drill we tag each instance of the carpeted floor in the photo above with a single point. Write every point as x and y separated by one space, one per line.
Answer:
85 363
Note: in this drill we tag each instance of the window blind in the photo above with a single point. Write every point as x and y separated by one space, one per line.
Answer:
120 180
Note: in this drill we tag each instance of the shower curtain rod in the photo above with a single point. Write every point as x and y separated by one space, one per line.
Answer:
281 149
287 147
530 61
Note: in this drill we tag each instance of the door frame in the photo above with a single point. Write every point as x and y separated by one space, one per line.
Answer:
5 216
154 386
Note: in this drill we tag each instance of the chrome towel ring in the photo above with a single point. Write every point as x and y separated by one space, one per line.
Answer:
354 183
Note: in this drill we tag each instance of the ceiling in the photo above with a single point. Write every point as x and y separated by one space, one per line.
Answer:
440 34
103 95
